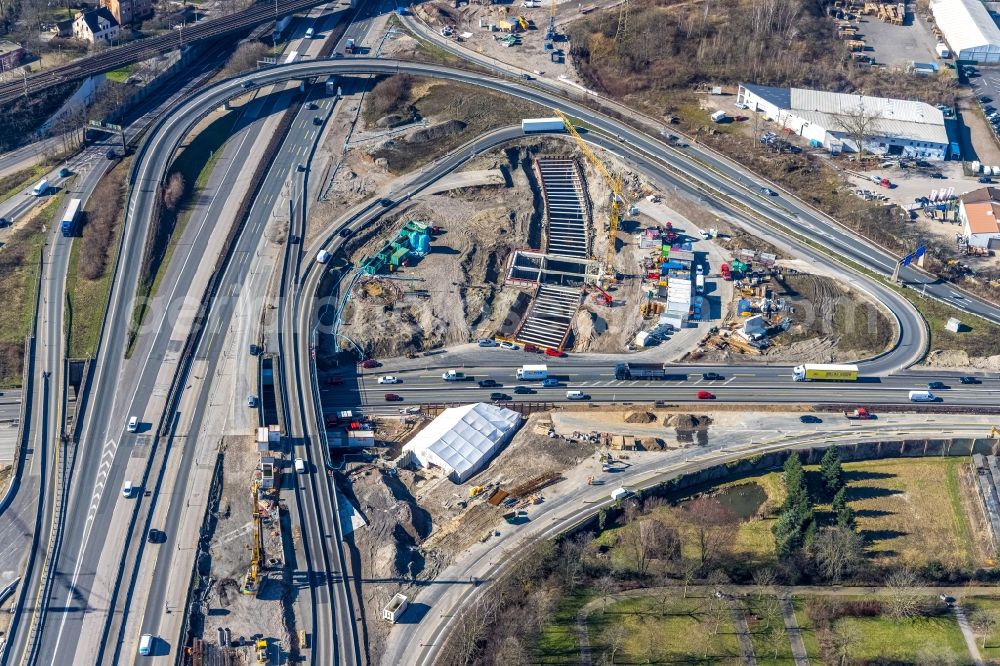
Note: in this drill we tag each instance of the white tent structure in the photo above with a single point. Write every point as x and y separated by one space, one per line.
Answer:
462 439
969 29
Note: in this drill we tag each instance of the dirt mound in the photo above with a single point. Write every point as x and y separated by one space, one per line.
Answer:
393 120
687 421
640 417
961 359
437 132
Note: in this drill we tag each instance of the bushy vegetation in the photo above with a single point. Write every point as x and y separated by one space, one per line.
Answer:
772 42
23 116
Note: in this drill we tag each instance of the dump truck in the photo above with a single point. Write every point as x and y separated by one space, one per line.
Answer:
529 372
656 371
349 46
453 376
825 372
860 414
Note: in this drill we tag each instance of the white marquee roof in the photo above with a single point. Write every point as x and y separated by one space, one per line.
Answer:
966 24
461 439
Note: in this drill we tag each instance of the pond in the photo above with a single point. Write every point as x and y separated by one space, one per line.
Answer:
744 500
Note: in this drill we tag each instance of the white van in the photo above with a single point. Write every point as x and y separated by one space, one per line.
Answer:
575 395
41 189
127 489
145 644
322 256
922 396
300 466
133 424
310 33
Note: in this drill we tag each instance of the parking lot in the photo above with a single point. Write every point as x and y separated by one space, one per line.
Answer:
898 44
983 134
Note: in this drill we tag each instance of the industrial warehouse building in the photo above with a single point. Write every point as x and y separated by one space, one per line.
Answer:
462 439
978 212
968 28
896 127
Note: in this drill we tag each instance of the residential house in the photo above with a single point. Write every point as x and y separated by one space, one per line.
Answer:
978 211
11 55
95 26
129 12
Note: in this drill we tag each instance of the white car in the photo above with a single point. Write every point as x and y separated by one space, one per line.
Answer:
509 345
741 105
488 342
389 379
127 488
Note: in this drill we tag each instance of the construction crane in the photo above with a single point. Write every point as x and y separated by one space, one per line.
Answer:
617 194
251 583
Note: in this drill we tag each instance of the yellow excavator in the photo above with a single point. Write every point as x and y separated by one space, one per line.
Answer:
261 646
251 583
994 433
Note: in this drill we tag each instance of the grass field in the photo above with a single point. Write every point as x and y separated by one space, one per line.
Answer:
770 640
86 301
559 643
991 650
670 629
806 629
121 75
981 338
901 641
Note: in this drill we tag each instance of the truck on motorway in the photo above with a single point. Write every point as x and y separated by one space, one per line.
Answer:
453 376
657 371
68 225
620 493
41 189
349 46
542 125
859 414
825 372
310 33
528 372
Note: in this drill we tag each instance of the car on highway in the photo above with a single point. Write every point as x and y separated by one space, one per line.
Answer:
369 363
985 100
488 342
251 401
246 85
133 424
4 222
488 383
705 395
300 466
550 382
385 203
111 154
317 120
533 349
936 386
65 173
577 395
497 396
768 191
711 376
393 397
509 345
156 536
969 380
312 106
127 489
389 379
809 418
300 167
345 232
254 350
523 390
554 352
146 645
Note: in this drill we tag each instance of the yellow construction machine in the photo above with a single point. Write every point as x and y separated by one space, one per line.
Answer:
251 583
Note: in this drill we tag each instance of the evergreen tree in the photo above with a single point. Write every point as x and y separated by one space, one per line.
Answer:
842 510
831 471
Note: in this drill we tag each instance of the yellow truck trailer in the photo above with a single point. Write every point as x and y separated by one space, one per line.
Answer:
825 372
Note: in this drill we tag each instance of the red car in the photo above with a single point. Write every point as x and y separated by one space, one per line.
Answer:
554 352
369 363
528 347
335 380
393 397
706 395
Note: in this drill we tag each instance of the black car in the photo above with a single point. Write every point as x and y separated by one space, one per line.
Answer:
156 536
711 376
768 191
111 154
936 386
312 106
246 85
523 390
254 350
300 168
985 100
985 179
497 397
937 174
809 418
385 203
969 380
488 383
4 222
317 121
345 233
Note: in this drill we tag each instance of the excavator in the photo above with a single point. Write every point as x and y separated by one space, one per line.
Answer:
251 583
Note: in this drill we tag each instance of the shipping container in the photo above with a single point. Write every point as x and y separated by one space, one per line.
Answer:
542 125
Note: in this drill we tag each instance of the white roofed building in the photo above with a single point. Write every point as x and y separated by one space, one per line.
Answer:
968 28
893 126
462 439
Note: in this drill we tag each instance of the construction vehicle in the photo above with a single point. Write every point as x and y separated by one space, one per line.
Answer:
550 32
251 583
994 433
261 647
599 296
475 491
860 414
617 194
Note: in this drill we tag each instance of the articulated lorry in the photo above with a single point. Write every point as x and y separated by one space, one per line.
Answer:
825 372
68 226
656 371
528 372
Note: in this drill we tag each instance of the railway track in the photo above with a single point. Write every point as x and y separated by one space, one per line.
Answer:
151 47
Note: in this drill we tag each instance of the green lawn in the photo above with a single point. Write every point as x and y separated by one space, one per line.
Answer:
770 640
981 338
806 629
991 651
901 641
667 629
559 643
121 75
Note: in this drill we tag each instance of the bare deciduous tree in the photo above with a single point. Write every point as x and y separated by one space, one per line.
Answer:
837 550
858 123
173 193
983 622
901 601
614 638
842 641
606 586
